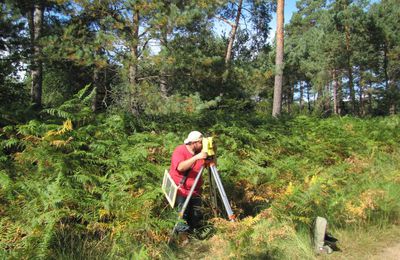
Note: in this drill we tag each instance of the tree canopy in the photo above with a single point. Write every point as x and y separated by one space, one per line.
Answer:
341 57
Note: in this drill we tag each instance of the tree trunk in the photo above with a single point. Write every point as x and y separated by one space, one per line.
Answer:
301 96
340 96
327 99
163 74
392 103
35 18
134 91
361 94
289 98
99 84
370 109
335 93
385 65
319 100
233 33
277 105
350 71
389 90
308 98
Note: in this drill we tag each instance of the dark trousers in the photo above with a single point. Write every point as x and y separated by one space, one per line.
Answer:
192 215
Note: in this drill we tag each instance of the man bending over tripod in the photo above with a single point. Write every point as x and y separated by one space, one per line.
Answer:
186 162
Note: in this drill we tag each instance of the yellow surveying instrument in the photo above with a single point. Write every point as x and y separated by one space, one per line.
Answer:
214 180
208 146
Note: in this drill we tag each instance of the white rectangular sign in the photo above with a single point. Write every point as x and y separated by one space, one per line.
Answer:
169 188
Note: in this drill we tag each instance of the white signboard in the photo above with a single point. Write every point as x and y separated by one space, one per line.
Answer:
169 188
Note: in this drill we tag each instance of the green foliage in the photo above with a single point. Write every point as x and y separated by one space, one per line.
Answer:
81 186
77 185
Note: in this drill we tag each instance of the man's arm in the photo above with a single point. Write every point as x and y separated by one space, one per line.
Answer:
185 165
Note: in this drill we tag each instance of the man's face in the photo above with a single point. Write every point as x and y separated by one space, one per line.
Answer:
197 146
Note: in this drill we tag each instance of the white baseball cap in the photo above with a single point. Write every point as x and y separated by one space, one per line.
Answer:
193 136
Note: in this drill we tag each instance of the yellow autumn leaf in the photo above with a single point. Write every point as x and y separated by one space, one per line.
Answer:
313 180
59 143
67 126
289 189
103 213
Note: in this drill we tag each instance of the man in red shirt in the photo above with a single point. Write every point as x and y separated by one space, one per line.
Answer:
187 159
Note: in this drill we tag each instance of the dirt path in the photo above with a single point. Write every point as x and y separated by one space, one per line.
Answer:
389 253
372 244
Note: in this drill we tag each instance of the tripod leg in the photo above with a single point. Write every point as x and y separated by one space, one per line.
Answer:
213 195
180 214
221 190
185 204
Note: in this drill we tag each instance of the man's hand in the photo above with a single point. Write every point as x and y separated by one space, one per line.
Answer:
185 165
201 155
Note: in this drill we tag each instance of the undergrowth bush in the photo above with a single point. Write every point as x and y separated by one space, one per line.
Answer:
78 186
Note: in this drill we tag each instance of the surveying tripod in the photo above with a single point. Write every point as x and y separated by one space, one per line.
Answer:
214 175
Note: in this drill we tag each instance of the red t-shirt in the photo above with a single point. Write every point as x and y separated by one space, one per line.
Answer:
180 154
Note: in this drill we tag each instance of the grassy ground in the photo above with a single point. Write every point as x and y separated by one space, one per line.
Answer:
359 243
366 244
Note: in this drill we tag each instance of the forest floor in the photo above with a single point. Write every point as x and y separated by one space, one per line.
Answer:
372 244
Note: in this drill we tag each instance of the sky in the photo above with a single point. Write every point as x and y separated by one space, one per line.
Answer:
289 9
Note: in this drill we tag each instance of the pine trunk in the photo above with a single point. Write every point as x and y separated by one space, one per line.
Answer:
390 90
290 93
233 33
277 105
163 72
370 108
100 88
308 99
350 71
361 95
335 93
327 99
301 96
134 91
